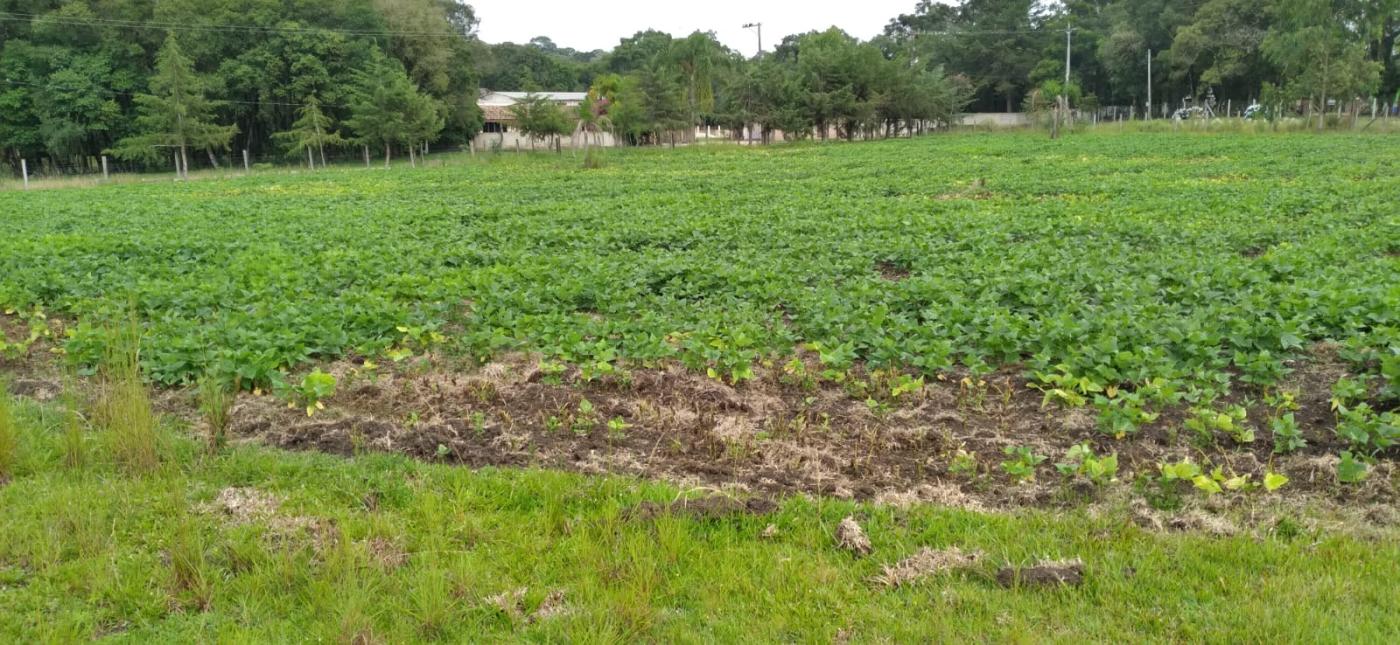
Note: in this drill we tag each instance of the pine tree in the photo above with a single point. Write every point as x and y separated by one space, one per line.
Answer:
312 131
388 109
177 114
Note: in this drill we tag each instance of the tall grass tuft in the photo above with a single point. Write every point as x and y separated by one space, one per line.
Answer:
215 400
193 574
9 437
126 404
593 159
74 426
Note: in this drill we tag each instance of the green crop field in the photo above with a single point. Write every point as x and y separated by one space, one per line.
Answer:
1124 258
1139 329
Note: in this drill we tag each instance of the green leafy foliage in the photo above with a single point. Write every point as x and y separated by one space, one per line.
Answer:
1205 422
1080 460
1368 431
1351 469
1069 269
963 464
1287 436
1022 462
312 392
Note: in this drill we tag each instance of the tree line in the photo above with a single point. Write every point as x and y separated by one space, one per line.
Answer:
654 88
1292 51
151 81
1010 53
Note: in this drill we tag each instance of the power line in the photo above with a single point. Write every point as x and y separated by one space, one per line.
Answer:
983 32
13 16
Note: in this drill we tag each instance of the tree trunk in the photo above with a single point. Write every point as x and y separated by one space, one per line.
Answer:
184 163
212 161
386 154
322 148
310 160
1322 109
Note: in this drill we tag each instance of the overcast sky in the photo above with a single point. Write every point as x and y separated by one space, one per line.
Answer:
599 24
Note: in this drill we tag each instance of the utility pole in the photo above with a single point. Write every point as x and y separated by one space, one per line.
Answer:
1062 101
759 27
1069 29
1149 85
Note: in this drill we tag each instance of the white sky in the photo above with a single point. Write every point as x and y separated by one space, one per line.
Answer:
599 24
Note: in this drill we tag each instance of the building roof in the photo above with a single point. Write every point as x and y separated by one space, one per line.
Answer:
553 96
511 98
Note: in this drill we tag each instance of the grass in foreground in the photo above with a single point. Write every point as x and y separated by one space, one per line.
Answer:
382 548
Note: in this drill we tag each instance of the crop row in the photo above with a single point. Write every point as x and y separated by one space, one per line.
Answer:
1201 261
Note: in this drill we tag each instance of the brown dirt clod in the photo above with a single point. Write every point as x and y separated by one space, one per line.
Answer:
1046 573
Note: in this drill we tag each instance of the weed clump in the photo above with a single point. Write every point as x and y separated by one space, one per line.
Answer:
593 159
215 401
851 537
73 426
9 437
125 404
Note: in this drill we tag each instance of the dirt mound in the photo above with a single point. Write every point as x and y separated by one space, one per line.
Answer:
244 505
1046 573
942 443
37 389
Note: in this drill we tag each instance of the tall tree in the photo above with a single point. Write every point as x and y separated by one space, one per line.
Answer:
541 118
437 58
388 109
665 106
1322 56
177 114
995 43
698 57
311 132
1222 46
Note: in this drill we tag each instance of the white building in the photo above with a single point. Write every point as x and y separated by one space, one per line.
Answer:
500 131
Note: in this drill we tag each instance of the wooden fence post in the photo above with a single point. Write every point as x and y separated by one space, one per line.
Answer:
24 170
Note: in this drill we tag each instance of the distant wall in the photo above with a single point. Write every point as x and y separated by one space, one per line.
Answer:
510 140
996 119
